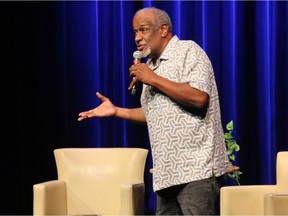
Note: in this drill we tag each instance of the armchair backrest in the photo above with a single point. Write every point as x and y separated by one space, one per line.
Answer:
94 176
282 171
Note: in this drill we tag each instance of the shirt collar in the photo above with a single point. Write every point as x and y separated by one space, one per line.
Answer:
165 55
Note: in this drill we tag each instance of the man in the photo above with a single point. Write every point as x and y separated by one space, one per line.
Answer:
179 104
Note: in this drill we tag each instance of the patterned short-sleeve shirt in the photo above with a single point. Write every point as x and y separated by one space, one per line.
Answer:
187 145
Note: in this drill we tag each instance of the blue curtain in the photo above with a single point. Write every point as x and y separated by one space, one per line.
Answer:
56 55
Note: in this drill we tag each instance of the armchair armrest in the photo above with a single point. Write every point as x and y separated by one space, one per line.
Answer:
244 200
276 203
49 198
132 193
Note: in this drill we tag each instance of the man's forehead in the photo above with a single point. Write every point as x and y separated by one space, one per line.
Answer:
142 19
137 26
141 24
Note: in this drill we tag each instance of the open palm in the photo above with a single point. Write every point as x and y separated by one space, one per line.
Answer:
105 109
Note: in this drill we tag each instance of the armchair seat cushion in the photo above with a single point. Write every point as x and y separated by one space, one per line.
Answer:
244 200
276 203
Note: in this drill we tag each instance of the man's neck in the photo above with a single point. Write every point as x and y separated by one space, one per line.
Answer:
166 41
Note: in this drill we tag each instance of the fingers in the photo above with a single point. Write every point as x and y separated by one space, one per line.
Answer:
82 118
133 70
133 73
232 169
133 82
84 115
101 97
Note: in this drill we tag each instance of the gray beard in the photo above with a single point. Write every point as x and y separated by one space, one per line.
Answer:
148 51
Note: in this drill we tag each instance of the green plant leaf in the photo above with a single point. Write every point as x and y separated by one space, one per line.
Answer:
230 142
229 151
237 147
229 126
228 136
234 146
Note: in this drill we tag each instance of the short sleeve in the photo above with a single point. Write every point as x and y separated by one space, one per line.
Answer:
197 69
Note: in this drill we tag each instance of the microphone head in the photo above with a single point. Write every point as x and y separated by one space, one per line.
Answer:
137 54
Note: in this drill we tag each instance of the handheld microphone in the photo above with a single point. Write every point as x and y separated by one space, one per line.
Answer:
137 55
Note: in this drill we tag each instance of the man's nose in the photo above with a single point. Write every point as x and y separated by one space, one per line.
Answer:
138 37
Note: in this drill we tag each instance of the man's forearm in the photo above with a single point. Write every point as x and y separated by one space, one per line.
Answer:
135 115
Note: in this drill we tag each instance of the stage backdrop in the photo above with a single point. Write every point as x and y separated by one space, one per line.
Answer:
56 54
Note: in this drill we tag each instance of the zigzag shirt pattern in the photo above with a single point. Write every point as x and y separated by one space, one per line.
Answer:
186 146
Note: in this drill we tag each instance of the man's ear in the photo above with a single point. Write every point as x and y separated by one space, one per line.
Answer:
164 30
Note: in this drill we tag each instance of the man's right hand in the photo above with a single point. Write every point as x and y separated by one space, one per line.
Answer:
105 109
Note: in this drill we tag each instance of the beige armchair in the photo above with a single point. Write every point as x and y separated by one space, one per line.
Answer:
102 181
258 199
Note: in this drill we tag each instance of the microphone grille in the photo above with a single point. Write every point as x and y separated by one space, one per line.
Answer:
137 54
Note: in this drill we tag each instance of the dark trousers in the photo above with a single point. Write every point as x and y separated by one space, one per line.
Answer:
194 198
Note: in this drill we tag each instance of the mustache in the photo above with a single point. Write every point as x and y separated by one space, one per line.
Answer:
147 51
